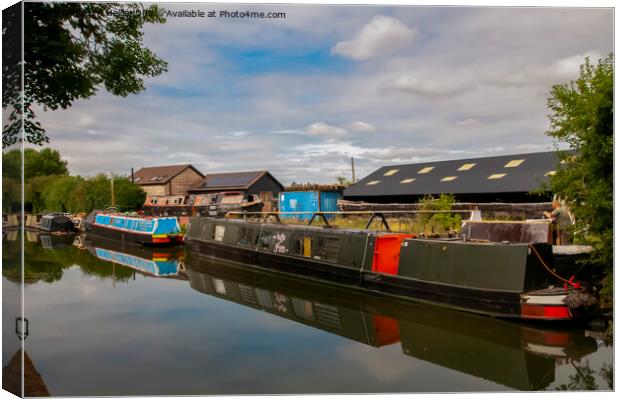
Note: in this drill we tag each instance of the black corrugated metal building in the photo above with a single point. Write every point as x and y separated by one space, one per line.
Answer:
506 178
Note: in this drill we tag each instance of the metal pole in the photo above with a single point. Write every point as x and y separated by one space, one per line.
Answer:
112 187
132 179
352 170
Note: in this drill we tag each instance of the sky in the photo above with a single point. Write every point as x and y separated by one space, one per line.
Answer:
300 96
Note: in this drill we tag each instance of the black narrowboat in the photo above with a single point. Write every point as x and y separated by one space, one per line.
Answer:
513 280
57 223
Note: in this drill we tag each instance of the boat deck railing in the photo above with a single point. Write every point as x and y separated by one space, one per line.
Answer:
380 215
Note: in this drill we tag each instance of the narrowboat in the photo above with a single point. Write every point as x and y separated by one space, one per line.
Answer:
137 229
58 223
533 231
512 280
215 204
515 355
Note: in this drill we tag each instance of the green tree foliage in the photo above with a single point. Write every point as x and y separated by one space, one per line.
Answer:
439 221
44 162
77 194
71 50
39 165
48 186
582 117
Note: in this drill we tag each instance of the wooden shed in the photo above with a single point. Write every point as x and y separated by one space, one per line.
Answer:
167 180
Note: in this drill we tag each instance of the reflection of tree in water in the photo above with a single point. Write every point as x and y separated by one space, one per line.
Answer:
584 378
48 265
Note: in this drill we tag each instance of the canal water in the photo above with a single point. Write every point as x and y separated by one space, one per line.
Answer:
111 320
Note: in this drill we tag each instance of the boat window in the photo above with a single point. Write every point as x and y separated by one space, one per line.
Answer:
266 241
247 237
326 248
302 245
153 200
303 308
219 286
218 233
191 200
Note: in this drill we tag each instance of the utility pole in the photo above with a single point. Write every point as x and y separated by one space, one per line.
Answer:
352 170
112 187
132 179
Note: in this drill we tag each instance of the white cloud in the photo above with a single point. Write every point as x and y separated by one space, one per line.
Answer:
469 122
560 71
434 87
360 126
381 36
321 129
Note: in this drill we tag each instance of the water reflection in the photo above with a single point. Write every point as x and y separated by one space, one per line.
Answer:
515 355
81 292
155 262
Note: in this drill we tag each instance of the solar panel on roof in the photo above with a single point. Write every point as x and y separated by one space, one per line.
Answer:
230 180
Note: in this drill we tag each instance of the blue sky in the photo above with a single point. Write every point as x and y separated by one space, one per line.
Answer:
300 96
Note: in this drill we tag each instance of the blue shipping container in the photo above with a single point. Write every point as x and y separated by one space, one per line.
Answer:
308 201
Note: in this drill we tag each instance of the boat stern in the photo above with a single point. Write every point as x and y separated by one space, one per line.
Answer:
556 303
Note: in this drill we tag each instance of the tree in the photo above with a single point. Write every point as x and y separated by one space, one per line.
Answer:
44 162
582 116
343 181
71 50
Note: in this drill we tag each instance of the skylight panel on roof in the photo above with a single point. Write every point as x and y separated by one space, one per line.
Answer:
550 173
449 178
137 179
466 166
425 170
372 183
391 172
154 178
514 163
405 181
496 176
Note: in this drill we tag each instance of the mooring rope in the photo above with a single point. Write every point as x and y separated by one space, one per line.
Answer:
569 281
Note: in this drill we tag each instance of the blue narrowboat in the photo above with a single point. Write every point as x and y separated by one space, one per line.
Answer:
139 229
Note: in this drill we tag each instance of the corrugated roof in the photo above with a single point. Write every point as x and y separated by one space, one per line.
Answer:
160 174
501 174
229 181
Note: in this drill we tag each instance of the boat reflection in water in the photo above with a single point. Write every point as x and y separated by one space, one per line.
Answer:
519 356
155 262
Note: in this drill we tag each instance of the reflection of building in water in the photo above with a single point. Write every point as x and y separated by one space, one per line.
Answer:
12 377
514 355
10 235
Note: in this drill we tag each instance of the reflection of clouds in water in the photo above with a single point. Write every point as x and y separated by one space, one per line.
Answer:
387 364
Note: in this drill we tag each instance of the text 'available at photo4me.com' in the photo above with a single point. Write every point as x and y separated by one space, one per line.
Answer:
222 14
